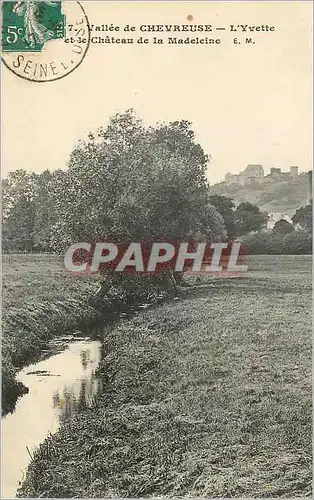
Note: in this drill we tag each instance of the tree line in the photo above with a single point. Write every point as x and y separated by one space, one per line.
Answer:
129 182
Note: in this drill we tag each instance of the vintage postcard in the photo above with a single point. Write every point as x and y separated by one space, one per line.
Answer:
156 249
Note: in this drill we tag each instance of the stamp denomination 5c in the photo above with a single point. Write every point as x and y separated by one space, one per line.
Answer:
44 41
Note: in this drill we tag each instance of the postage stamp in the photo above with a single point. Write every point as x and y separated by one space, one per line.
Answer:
44 41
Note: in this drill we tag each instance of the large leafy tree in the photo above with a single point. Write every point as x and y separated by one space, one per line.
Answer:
248 217
18 192
304 217
128 182
29 209
225 207
282 226
48 187
124 183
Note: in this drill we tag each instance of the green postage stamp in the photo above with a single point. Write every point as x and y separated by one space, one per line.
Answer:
27 26
44 41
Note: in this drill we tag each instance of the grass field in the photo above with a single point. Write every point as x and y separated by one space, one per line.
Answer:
30 279
207 395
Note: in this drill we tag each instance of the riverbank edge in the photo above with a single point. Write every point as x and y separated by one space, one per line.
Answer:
27 332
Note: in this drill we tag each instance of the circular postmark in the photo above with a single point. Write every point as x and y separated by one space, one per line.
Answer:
44 41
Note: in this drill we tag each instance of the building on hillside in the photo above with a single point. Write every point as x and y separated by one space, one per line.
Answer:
253 174
275 171
232 179
294 171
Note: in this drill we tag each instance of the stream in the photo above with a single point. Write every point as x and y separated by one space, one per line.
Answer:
58 386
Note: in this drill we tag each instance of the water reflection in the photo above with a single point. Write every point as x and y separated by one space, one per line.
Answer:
75 398
85 358
58 386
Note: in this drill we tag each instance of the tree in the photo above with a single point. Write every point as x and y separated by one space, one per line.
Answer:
304 218
128 183
283 226
48 187
225 207
268 242
249 218
214 228
18 191
297 243
29 209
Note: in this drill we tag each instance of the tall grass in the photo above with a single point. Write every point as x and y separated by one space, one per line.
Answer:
208 395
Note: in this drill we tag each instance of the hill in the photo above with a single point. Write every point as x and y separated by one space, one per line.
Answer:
281 194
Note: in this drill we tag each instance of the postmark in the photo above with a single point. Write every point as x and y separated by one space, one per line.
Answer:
44 41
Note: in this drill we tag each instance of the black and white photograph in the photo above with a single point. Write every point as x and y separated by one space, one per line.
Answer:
156 177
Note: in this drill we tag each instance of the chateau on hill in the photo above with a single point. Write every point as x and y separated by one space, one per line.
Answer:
255 174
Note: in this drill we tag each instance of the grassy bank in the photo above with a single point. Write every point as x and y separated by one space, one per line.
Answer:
40 300
209 395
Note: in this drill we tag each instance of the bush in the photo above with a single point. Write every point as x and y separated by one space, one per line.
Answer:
283 226
272 243
298 243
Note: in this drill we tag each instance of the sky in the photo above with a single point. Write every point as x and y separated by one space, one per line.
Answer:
248 104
